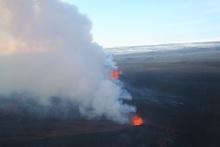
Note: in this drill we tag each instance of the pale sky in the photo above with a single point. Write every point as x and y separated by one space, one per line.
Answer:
144 22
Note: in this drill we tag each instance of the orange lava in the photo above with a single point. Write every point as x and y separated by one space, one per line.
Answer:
116 74
137 121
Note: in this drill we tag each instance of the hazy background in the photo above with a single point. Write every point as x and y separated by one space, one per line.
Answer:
143 22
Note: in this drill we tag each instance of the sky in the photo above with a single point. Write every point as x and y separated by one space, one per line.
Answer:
146 22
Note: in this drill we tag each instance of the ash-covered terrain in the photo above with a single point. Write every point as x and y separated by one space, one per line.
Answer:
176 92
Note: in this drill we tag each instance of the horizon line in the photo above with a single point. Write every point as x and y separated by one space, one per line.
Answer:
158 44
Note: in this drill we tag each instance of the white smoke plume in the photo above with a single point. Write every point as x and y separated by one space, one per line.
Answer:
46 50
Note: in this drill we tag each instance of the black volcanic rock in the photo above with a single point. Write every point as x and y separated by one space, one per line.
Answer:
176 92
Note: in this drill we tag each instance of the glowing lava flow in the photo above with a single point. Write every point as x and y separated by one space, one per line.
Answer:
116 74
137 121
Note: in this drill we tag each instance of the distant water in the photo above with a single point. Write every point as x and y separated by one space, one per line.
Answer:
155 48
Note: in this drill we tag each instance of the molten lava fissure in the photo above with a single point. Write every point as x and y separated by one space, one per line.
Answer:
116 74
137 121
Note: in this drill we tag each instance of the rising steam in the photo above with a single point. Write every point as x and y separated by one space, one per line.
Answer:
46 50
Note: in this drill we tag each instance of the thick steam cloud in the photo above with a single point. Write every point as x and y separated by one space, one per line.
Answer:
46 50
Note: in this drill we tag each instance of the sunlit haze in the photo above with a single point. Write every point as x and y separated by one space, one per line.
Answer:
141 22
